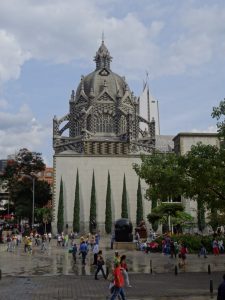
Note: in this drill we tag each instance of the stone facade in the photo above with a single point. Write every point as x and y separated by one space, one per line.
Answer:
66 168
102 132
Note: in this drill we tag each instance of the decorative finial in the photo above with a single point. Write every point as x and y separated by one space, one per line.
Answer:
103 37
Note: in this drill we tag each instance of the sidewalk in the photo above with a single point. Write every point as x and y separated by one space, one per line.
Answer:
185 286
53 275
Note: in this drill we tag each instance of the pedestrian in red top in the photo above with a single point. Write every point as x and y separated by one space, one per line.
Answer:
118 282
124 267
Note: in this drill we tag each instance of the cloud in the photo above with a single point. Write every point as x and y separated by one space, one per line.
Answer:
169 42
12 57
3 104
210 129
21 130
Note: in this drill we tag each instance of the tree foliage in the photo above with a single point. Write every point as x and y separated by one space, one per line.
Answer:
93 214
219 113
199 174
76 212
108 208
139 212
163 211
18 179
163 174
124 210
60 216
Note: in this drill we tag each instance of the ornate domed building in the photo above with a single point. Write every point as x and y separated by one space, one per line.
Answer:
100 134
104 115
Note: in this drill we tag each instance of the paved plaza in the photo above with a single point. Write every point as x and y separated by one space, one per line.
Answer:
53 275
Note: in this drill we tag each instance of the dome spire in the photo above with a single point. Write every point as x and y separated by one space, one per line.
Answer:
103 57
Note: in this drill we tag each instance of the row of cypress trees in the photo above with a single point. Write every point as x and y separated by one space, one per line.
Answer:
93 214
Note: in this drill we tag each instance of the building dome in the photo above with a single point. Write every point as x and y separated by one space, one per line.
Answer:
102 78
103 118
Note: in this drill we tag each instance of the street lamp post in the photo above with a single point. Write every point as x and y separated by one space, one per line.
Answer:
33 195
33 191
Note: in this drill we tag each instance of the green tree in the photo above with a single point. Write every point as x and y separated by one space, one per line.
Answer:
93 214
219 113
162 212
163 174
199 174
76 212
124 210
60 217
22 196
139 212
44 215
108 208
18 178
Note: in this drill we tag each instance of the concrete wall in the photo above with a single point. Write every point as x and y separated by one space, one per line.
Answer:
66 166
187 141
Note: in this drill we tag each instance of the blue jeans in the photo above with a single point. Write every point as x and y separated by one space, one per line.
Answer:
118 291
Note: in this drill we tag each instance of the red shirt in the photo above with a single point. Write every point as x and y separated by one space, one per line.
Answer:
118 277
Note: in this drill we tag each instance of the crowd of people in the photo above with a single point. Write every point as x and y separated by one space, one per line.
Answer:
115 269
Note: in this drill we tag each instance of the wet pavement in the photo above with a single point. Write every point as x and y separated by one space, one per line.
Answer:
53 275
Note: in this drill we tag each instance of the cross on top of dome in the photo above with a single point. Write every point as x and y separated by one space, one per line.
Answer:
103 57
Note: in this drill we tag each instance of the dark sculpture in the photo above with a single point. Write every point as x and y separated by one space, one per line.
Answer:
123 230
142 230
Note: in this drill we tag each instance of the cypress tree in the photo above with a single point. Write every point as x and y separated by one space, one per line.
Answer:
124 212
76 212
92 220
108 208
60 217
139 213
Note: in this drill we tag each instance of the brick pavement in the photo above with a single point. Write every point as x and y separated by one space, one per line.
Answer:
52 275
144 286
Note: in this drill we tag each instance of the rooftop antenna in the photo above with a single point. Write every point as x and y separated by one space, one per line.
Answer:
103 37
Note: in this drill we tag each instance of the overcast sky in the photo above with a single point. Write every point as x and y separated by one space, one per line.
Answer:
46 45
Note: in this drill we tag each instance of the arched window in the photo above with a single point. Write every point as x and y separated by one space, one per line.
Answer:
76 128
123 125
104 123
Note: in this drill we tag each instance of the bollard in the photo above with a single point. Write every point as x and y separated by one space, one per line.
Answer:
107 272
209 269
211 286
150 266
175 270
0 274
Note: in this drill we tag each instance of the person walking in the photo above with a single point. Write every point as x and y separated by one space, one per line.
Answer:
202 250
49 237
215 247
118 282
83 251
124 267
43 243
183 255
221 246
221 290
74 252
95 251
100 263
116 257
